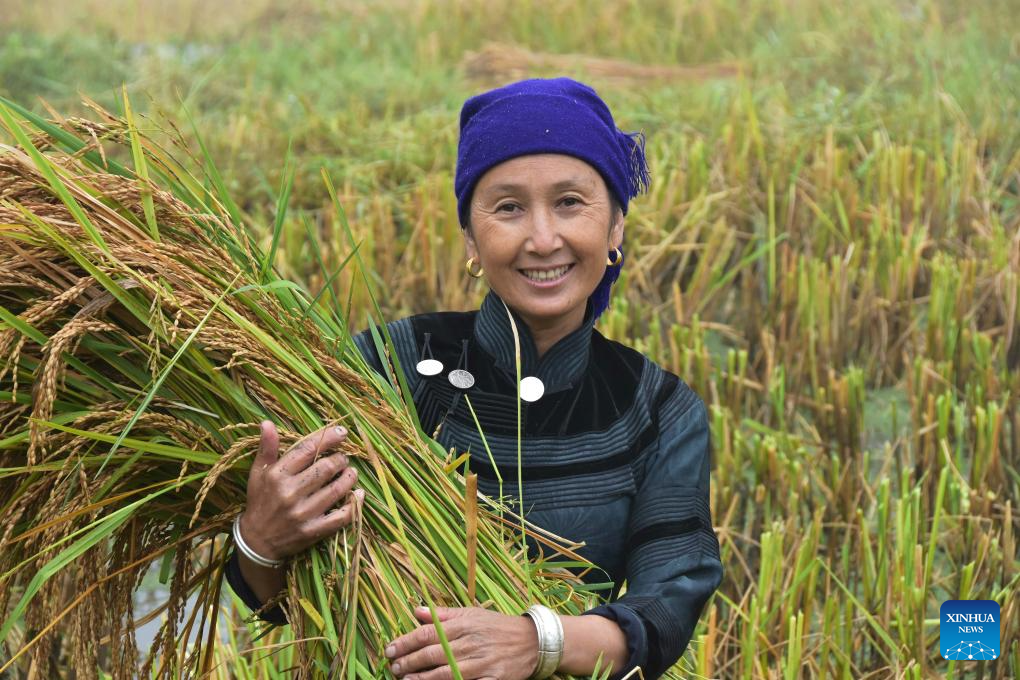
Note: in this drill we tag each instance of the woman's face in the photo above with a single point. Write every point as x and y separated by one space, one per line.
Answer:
541 227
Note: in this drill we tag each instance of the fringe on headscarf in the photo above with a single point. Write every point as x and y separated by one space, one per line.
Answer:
600 298
640 178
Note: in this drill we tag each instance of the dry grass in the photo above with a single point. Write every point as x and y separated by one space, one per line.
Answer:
497 63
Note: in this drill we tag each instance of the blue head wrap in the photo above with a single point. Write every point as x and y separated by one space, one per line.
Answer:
558 115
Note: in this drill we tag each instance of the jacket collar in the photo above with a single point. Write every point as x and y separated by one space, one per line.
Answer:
562 364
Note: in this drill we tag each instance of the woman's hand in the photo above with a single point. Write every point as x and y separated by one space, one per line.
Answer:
487 645
291 499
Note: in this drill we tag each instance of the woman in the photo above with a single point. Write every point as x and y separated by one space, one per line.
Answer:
616 450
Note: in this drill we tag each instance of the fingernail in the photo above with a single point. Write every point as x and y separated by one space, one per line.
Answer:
360 493
396 668
340 430
391 652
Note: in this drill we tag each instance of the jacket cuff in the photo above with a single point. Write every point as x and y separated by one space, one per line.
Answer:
236 580
633 628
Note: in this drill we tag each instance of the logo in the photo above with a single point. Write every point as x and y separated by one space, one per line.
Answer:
969 630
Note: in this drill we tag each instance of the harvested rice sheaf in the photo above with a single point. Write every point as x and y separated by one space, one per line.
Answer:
143 337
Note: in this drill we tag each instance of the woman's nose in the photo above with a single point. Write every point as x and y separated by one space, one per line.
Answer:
545 235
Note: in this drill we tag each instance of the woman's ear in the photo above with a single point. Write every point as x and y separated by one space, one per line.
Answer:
616 228
469 242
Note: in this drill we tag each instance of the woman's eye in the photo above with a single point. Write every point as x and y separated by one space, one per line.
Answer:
570 202
507 207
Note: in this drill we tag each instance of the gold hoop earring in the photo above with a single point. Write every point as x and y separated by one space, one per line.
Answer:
612 262
468 266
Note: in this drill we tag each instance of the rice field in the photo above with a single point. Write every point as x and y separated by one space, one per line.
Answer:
829 255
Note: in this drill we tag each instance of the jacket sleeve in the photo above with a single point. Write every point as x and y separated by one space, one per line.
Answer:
673 563
240 586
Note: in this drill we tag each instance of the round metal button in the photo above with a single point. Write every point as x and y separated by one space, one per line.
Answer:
461 379
430 366
532 388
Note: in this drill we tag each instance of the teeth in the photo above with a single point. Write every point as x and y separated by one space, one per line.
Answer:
546 275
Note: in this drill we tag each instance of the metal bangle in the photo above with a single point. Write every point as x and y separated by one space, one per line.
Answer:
248 552
550 640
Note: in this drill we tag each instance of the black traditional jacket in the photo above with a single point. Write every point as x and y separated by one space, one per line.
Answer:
616 453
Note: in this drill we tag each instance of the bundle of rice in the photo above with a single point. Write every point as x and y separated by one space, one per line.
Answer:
143 337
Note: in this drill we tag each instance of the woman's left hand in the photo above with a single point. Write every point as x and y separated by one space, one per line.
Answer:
487 646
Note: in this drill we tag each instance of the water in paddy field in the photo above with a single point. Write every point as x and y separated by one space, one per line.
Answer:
886 416
151 594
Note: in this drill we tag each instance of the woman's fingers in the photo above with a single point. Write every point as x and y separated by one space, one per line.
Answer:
442 613
319 474
484 644
420 638
422 659
326 525
269 447
330 493
467 670
427 658
431 663
301 455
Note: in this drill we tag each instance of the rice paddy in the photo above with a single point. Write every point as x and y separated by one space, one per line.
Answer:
829 256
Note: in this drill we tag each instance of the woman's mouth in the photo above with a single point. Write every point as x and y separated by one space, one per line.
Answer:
546 277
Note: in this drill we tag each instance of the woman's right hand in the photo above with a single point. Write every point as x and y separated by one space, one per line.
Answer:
292 498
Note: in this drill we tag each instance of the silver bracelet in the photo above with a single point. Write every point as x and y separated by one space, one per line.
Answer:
248 552
550 640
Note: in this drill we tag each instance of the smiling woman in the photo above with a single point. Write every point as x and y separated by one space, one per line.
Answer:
615 451
541 226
